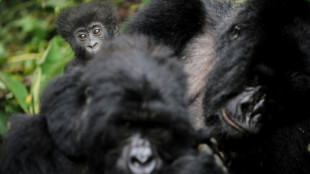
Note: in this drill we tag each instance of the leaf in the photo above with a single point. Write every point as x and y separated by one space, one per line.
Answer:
23 57
56 3
54 59
27 23
35 90
145 1
3 127
18 89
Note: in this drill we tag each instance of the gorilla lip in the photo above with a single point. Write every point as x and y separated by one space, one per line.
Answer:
231 122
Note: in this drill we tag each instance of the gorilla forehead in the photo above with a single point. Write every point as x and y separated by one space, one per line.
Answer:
138 66
82 15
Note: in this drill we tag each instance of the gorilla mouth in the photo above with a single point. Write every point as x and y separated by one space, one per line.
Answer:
231 122
136 166
245 111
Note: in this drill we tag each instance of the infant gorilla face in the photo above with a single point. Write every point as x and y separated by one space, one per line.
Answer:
91 37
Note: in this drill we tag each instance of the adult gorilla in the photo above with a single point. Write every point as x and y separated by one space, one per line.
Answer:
257 92
126 112
254 98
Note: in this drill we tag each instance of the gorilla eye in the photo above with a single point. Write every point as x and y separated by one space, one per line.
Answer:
97 31
82 36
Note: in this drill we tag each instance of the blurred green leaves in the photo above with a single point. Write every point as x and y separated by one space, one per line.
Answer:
46 65
17 88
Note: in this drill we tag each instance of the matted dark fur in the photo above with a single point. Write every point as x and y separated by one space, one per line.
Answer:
176 22
188 27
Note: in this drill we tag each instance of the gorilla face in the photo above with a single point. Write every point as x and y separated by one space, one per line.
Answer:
91 37
139 140
86 27
261 69
148 145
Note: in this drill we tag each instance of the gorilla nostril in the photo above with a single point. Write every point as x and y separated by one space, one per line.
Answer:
142 160
245 107
95 45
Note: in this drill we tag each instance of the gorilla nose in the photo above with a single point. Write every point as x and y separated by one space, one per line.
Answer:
92 45
142 161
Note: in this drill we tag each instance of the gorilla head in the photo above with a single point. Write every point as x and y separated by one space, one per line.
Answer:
261 78
87 26
256 90
136 113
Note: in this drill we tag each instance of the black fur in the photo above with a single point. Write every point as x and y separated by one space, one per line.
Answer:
172 22
68 20
188 27
266 44
29 149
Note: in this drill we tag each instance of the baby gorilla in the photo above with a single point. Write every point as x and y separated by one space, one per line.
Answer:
86 27
131 118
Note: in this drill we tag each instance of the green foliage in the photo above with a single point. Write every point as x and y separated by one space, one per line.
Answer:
30 54
44 68
18 89
145 1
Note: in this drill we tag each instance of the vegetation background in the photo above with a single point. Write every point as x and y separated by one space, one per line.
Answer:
31 51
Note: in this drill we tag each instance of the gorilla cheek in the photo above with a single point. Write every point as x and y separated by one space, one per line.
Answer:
139 157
